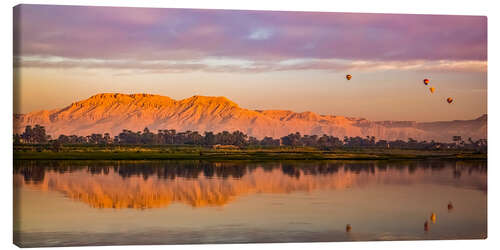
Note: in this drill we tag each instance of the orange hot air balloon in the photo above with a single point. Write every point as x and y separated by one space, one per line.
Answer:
426 81
432 89
348 77
449 100
433 218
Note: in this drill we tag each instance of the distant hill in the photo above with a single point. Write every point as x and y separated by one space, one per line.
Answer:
111 113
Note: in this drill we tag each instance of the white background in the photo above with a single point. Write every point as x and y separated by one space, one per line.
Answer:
457 7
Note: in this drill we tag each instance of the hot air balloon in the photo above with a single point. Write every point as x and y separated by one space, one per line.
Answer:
348 228
432 89
449 100
348 77
426 81
433 218
450 206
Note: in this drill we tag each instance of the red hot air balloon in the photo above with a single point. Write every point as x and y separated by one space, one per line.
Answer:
449 100
450 206
426 81
348 77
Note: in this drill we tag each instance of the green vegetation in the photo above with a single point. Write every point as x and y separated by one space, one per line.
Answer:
237 139
183 152
35 144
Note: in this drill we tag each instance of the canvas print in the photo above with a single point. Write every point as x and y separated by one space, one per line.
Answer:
190 126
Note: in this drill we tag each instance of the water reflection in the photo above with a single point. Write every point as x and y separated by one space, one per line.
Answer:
154 184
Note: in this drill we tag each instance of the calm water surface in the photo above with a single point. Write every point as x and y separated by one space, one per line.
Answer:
64 203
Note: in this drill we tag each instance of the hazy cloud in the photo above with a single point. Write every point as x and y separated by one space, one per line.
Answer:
247 66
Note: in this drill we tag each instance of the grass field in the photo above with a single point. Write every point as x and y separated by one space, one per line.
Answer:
169 152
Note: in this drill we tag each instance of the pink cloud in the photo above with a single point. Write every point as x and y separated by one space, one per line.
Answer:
188 34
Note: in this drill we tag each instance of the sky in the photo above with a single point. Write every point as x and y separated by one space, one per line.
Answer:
258 59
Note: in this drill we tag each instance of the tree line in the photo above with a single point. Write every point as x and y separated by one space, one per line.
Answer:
38 135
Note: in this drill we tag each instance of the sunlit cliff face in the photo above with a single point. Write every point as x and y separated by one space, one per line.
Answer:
113 190
113 112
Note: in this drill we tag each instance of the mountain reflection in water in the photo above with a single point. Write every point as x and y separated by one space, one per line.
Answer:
154 184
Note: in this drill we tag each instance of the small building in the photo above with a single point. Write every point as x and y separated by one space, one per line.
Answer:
218 146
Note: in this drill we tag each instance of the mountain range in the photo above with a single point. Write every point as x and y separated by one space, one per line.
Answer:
113 112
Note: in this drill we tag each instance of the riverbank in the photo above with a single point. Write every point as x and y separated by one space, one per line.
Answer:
200 153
